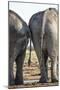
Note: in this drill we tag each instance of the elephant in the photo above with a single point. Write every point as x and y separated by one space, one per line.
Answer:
18 40
44 35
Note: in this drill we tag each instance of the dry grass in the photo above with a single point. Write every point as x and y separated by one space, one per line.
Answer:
33 72
31 85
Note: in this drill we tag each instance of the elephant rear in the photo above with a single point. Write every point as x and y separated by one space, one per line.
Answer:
18 40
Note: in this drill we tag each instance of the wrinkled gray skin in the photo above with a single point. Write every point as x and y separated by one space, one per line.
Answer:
18 40
44 29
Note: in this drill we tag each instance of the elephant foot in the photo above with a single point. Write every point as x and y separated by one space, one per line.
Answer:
11 83
54 80
42 80
18 82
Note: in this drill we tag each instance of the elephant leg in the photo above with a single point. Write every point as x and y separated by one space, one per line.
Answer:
38 49
11 76
19 71
45 53
22 44
54 70
43 67
11 62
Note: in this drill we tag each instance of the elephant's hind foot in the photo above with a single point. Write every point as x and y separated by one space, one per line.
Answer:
18 82
54 80
43 80
11 83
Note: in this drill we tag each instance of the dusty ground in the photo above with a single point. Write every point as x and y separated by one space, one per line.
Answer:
32 74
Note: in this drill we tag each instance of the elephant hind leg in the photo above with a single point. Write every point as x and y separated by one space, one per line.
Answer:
54 76
45 53
45 57
19 69
11 75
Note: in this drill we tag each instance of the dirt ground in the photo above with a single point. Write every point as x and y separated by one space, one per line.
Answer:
31 74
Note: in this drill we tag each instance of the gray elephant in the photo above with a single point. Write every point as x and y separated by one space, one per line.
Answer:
44 29
18 40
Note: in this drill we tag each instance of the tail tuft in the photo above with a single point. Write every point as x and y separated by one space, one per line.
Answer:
29 62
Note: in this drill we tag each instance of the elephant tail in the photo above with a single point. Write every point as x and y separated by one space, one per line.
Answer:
43 27
29 60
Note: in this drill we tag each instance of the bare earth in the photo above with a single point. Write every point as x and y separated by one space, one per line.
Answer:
31 74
